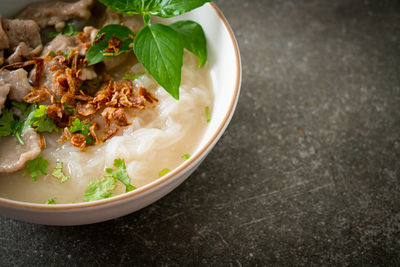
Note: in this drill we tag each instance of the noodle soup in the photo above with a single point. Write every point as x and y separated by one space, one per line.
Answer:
158 138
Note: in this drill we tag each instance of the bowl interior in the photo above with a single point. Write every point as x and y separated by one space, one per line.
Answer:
224 63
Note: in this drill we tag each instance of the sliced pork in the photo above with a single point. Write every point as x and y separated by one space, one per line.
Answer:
4 90
4 42
21 38
18 31
56 13
18 82
23 53
13 155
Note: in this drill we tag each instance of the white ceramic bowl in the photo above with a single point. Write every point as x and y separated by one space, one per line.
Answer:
225 66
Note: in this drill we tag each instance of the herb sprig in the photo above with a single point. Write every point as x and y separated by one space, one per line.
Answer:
158 47
100 188
69 30
84 129
35 117
36 167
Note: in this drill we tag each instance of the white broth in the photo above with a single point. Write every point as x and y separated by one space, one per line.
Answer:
157 139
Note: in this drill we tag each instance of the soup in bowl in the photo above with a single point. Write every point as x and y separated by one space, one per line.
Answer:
132 148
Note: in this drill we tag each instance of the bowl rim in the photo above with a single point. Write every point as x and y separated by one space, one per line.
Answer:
170 175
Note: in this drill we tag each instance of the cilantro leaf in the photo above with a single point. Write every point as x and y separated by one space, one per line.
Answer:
5 122
38 120
58 172
99 189
53 34
121 174
25 108
66 54
78 126
97 52
11 126
160 50
36 166
163 172
68 30
17 126
50 201
193 38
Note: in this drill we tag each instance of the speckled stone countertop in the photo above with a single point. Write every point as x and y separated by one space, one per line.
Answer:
308 172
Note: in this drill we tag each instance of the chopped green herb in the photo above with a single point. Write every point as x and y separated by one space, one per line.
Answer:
208 114
5 122
11 126
17 128
25 108
52 53
130 76
35 118
78 126
121 174
53 34
66 55
38 120
163 172
58 172
36 166
186 156
100 189
50 201
69 30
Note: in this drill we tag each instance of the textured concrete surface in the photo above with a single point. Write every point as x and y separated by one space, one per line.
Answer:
307 173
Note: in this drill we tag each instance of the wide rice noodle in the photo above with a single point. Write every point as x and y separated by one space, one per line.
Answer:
157 139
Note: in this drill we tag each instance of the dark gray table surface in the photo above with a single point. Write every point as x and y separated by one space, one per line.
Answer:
307 172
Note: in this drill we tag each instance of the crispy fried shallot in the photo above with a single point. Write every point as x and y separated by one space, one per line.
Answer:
73 92
114 45
36 96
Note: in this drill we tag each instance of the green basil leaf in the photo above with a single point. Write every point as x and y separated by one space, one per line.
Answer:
160 50
172 8
193 38
126 6
97 51
161 8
